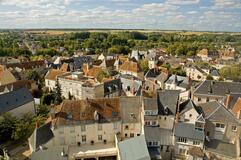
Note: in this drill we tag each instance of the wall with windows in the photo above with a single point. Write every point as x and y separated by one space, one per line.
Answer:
189 116
166 122
50 84
131 130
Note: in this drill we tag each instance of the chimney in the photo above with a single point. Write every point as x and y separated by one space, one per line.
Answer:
228 100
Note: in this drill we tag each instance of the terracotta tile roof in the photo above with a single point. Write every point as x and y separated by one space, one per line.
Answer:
237 106
64 67
27 65
227 53
83 110
130 66
30 84
203 52
6 76
53 73
91 71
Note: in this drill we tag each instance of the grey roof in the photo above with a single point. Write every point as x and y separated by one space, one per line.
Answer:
162 77
14 99
151 73
214 72
79 61
134 149
215 111
41 136
179 81
150 104
217 88
222 148
154 152
187 105
187 130
112 86
132 82
53 153
130 108
164 136
168 99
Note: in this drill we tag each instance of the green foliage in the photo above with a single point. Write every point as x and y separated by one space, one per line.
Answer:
33 75
57 94
144 65
209 77
178 71
47 99
7 126
42 110
232 72
102 75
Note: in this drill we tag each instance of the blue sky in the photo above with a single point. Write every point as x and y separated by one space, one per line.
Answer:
211 15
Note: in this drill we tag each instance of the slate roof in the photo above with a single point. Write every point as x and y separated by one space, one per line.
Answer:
222 148
112 86
187 105
14 99
129 151
162 77
187 130
17 85
150 104
215 111
168 99
152 73
217 88
179 81
53 153
164 136
40 136
79 61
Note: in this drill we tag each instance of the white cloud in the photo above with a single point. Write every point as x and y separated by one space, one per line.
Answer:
227 3
182 2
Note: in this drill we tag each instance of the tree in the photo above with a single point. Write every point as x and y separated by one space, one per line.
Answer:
209 77
144 66
102 75
42 110
33 75
57 94
7 126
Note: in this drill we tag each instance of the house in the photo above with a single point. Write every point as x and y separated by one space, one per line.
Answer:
189 131
27 65
161 79
196 73
128 149
131 68
206 55
91 70
77 85
131 85
151 84
51 78
175 82
112 88
17 102
222 130
6 76
137 55
227 54
214 91
91 128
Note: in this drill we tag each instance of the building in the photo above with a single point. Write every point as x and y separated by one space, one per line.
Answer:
222 130
131 68
181 83
214 91
196 73
91 128
51 78
189 132
206 55
17 102
112 88
6 76
77 85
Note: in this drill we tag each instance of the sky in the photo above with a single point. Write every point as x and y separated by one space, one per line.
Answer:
197 15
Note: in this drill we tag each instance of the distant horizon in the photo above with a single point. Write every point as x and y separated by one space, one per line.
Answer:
193 15
115 29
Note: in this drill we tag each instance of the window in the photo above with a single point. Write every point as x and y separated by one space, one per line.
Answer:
99 127
183 140
207 99
126 127
83 138
196 143
147 123
165 118
100 137
190 115
138 134
126 135
149 143
168 150
198 99
153 123
234 128
83 128
220 127
132 135
161 147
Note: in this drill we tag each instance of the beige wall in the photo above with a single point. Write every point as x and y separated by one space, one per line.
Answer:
50 84
166 122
